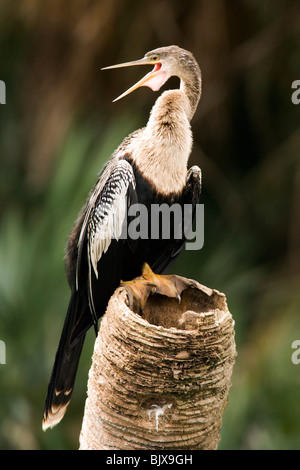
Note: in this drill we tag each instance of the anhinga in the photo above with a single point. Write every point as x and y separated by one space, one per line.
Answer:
150 166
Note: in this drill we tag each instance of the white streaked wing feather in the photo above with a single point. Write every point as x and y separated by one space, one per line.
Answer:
106 217
108 228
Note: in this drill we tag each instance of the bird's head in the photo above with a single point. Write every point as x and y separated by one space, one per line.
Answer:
168 61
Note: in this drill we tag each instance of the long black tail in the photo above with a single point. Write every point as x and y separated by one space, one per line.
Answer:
65 368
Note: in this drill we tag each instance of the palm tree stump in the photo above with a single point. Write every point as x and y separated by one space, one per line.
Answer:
160 377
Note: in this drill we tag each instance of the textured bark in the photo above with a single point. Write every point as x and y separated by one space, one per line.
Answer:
160 381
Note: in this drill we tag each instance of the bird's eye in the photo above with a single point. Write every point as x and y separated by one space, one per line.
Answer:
154 57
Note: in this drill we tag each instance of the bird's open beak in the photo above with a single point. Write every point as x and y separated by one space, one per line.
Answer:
154 79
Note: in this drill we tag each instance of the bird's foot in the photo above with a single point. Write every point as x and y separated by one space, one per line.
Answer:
149 283
164 284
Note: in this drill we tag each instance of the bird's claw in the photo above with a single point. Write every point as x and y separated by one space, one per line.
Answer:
150 283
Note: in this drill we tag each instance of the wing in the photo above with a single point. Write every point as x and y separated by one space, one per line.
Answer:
191 195
193 186
104 222
101 225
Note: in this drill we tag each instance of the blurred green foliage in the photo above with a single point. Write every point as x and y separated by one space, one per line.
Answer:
59 127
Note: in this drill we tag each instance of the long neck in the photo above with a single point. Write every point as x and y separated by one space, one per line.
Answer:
162 149
174 105
191 86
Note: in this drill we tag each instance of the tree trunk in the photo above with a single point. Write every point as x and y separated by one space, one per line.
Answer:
160 380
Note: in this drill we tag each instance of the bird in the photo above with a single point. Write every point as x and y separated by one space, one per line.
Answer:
149 167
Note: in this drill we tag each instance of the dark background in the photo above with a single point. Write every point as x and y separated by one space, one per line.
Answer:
59 126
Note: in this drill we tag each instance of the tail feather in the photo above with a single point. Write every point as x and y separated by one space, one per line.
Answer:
64 370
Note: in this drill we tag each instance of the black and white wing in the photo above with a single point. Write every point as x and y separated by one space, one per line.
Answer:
102 226
104 222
